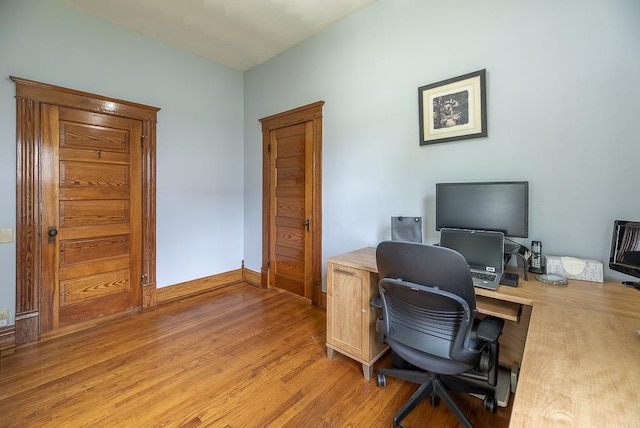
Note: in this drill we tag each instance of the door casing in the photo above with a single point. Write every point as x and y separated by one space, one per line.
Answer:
309 113
30 95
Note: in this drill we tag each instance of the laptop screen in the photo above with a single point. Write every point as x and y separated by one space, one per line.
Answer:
481 249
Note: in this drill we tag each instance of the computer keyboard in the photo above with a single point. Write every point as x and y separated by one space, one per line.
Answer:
483 276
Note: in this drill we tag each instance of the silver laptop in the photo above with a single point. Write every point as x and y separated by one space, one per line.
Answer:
483 250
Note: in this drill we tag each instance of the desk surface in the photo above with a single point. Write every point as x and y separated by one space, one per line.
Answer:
581 362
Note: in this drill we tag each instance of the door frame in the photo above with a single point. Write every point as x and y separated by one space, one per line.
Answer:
307 113
30 95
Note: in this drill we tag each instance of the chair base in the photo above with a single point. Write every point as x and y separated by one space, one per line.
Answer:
436 387
502 390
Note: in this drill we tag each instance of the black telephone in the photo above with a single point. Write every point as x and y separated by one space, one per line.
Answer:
536 263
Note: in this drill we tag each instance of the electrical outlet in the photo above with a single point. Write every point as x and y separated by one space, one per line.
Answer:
4 318
6 236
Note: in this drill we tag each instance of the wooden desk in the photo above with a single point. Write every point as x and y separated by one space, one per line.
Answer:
581 360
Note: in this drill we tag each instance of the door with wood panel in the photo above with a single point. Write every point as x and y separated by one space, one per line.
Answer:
290 222
91 215
292 201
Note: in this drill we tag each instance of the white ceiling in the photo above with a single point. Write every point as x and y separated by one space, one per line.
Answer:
238 33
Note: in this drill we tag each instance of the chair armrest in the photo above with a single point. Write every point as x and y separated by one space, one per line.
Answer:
490 329
376 302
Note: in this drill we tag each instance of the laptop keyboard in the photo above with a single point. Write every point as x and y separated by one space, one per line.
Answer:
483 276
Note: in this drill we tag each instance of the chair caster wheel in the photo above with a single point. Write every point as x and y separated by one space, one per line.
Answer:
435 401
381 380
490 403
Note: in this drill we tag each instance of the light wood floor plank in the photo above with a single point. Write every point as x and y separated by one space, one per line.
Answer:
239 356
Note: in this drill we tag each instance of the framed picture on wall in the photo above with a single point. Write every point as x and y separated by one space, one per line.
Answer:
453 109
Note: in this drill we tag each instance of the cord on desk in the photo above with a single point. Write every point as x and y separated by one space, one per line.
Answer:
632 284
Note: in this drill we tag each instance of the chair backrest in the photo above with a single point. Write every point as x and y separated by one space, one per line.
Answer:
428 299
406 229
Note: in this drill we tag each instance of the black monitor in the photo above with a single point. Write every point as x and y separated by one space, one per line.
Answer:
499 206
625 249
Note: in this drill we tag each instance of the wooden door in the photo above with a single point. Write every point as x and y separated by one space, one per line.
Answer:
38 168
91 215
291 204
291 201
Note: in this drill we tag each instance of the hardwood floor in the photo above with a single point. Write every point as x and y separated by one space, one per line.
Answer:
239 356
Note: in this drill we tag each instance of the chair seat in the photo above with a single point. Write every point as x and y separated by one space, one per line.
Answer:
428 362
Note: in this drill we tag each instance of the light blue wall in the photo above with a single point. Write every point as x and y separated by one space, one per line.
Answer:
562 95
562 102
199 134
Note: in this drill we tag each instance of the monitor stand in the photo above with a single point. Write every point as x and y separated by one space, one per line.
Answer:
510 248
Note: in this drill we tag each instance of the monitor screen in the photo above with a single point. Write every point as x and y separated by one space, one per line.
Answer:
479 249
498 206
625 247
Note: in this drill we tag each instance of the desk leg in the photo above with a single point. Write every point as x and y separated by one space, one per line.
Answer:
330 353
367 370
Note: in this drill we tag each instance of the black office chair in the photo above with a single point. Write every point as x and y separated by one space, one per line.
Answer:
429 319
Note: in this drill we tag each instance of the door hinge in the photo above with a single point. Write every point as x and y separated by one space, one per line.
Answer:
142 137
268 264
268 148
143 277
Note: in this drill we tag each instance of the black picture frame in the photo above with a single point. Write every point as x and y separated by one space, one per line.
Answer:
453 109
